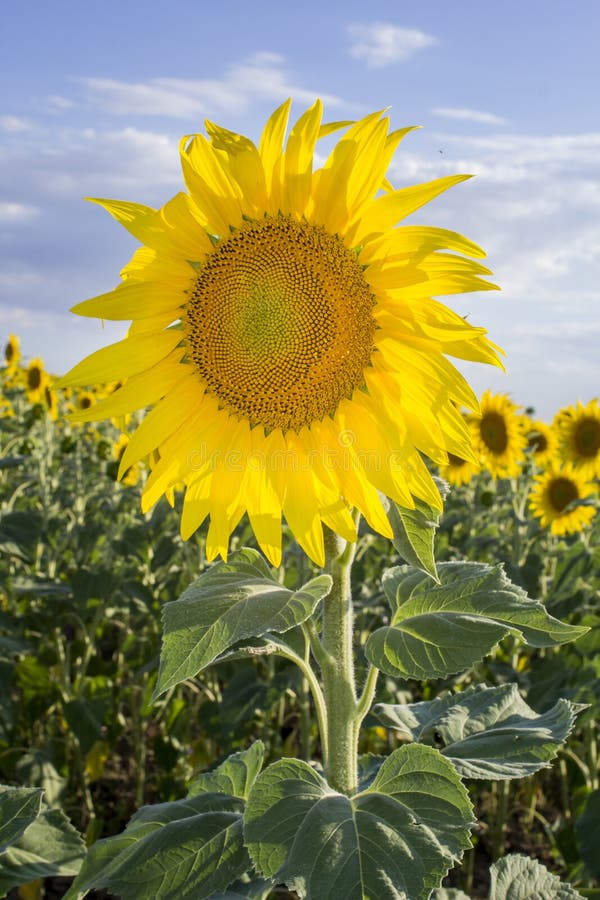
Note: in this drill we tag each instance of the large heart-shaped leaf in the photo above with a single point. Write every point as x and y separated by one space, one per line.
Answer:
48 846
19 807
485 732
517 876
439 629
229 603
185 850
394 840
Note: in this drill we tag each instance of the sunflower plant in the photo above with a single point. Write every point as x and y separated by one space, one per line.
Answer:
286 340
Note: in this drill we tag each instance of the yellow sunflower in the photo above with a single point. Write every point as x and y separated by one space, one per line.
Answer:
51 402
578 430
36 380
131 476
12 354
6 408
459 471
498 438
541 441
554 499
285 334
84 400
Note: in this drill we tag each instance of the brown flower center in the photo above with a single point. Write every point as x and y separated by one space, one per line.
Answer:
34 378
587 437
561 492
494 434
280 323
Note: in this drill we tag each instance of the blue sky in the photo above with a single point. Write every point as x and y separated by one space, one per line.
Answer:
94 97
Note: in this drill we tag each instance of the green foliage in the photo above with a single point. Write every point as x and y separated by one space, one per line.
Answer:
588 833
228 603
187 848
440 629
41 844
19 807
397 838
485 732
86 718
518 876
414 532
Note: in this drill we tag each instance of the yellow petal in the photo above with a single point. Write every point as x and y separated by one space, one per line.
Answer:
132 301
388 210
138 391
183 400
120 360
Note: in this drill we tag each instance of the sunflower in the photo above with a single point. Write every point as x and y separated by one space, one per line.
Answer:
498 437
578 430
285 334
118 449
12 354
554 499
51 402
36 380
6 408
84 400
541 440
459 471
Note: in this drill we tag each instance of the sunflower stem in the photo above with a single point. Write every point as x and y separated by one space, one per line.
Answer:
341 762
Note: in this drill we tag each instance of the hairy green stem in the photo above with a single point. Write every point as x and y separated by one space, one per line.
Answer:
341 761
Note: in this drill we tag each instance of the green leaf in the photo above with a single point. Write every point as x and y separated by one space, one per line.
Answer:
185 850
36 770
517 876
19 807
49 846
234 777
257 889
485 732
587 829
440 629
449 894
414 532
394 840
230 602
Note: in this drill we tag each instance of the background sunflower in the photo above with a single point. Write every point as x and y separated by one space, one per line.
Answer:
578 430
555 499
498 436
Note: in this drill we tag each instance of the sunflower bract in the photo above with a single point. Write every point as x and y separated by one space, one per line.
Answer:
285 337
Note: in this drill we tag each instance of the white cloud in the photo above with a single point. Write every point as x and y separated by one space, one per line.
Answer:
468 115
60 339
260 77
13 213
57 101
14 124
382 44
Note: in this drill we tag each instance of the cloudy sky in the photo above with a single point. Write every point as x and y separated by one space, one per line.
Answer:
94 97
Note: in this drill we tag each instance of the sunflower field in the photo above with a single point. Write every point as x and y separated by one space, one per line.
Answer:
84 575
286 610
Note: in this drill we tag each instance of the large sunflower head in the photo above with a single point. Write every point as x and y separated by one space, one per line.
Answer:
498 437
285 334
578 430
556 496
